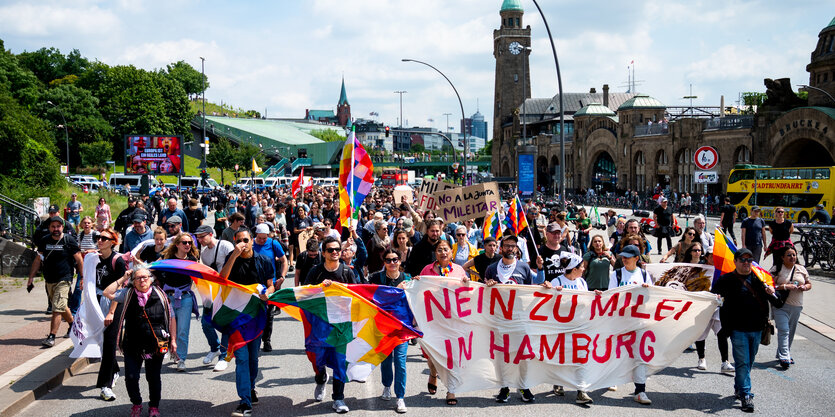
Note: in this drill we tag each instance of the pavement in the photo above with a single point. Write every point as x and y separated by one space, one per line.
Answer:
35 381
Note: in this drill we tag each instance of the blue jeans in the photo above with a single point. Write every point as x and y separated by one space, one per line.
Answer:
75 297
398 359
785 320
211 334
205 211
583 241
246 369
183 316
745 346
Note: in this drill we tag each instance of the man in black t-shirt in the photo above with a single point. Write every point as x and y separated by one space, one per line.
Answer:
727 218
664 220
551 250
245 266
484 259
61 254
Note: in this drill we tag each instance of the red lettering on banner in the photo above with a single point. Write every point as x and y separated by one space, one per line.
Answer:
570 315
559 346
605 356
683 309
626 340
505 348
601 310
663 306
545 298
626 302
577 347
461 300
465 350
644 346
448 348
480 305
525 351
635 312
445 310
507 309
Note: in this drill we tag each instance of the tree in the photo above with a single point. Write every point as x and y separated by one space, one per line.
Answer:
189 78
417 148
85 123
752 101
95 154
327 135
49 64
20 82
245 154
222 155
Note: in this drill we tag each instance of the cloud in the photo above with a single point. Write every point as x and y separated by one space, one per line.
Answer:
46 20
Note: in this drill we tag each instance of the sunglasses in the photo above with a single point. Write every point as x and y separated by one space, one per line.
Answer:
392 260
245 240
696 250
186 242
103 238
170 225
746 260
333 250
460 234
691 234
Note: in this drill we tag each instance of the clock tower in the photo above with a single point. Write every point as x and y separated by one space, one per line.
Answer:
513 83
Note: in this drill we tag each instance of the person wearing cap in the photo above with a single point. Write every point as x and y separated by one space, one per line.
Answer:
213 253
271 249
74 209
170 211
753 235
59 253
551 250
572 279
409 227
43 228
631 274
819 215
139 232
664 219
744 313
509 270
174 226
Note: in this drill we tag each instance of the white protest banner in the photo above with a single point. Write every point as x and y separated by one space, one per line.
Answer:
681 276
425 195
468 202
88 325
519 336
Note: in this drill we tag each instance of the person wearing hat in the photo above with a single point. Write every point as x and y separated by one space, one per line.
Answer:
174 226
632 274
664 219
271 249
509 270
819 215
213 253
59 253
753 236
74 209
409 227
743 314
551 250
43 229
138 233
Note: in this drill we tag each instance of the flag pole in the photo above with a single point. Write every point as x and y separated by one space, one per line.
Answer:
353 139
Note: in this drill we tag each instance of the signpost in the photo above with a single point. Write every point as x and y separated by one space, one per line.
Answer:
706 158
707 177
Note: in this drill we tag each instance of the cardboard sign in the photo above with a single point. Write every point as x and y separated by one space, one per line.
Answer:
403 191
471 202
304 236
425 195
520 336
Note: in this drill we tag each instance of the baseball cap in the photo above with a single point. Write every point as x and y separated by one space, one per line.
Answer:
630 251
408 224
204 228
743 251
139 217
574 259
757 208
554 227
55 219
262 228
819 205
489 239
74 195
663 199
53 208
510 237
175 220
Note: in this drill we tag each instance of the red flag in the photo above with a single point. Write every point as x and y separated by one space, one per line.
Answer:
297 183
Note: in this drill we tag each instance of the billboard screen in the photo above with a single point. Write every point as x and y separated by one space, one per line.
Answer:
526 174
148 154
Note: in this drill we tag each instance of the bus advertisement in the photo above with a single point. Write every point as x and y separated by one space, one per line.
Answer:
798 190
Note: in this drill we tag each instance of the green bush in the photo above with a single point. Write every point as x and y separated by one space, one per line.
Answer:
95 153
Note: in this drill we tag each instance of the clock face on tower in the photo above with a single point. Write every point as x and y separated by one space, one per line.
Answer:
515 48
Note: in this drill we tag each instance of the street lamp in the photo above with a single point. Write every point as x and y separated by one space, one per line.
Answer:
562 112
818 89
66 134
203 83
460 103
401 92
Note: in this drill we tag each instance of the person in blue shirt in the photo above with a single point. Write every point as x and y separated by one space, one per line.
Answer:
171 211
271 249
139 233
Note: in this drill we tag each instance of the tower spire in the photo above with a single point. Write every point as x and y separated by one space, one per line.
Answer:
343 97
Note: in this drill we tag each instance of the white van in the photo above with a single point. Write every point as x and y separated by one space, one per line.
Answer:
129 183
271 182
246 183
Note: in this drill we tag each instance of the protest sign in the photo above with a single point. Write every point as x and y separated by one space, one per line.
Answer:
403 191
520 336
425 195
87 332
471 202
681 276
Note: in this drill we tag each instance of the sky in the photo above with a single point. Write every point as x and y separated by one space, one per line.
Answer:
282 57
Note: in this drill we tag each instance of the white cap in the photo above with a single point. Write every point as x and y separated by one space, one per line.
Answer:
575 259
262 228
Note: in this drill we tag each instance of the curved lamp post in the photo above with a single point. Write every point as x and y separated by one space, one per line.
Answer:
66 134
819 90
461 104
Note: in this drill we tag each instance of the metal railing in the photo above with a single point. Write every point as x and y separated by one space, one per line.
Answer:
17 222
277 170
300 162
652 129
729 122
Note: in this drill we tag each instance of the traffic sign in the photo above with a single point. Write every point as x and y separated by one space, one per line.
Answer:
706 158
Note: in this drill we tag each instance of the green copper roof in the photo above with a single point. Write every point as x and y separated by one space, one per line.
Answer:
343 97
594 109
641 101
515 5
831 23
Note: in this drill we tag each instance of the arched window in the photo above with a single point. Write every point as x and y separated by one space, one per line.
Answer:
743 154
662 157
640 171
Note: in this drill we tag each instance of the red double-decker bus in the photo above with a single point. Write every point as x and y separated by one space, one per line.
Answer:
393 177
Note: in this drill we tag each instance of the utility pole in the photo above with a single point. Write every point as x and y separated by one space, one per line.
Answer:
401 92
203 82
691 97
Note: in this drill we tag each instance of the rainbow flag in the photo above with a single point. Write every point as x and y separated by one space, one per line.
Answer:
236 309
349 328
515 219
493 226
723 259
356 176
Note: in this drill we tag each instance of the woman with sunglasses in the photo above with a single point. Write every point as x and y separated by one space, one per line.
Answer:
794 279
110 268
392 277
178 288
462 249
682 246
781 230
103 215
695 254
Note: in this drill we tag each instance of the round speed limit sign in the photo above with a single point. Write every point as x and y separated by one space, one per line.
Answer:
706 157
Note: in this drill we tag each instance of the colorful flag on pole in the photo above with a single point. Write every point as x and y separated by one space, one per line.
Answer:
237 309
356 177
723 259
493 226
515 219
349 328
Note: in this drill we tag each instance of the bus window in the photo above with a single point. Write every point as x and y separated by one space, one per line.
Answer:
806 174
773 200
741 174
790 174
804 200
737 198
822 174
763 174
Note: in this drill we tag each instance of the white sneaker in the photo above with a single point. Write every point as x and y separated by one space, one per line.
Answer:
386 394
642 398
107 394
340 407
210 357
401 406
221 365
181 366
702 364
115 378
727 367
614 388
319 392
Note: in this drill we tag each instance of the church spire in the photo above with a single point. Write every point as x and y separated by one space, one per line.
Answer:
343 97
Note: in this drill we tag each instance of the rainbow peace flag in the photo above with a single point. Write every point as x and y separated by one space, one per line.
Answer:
723 259
515 219
349 328
236 309
356 176
493 226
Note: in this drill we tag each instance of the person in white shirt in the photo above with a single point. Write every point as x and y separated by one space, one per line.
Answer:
213 254
706 238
